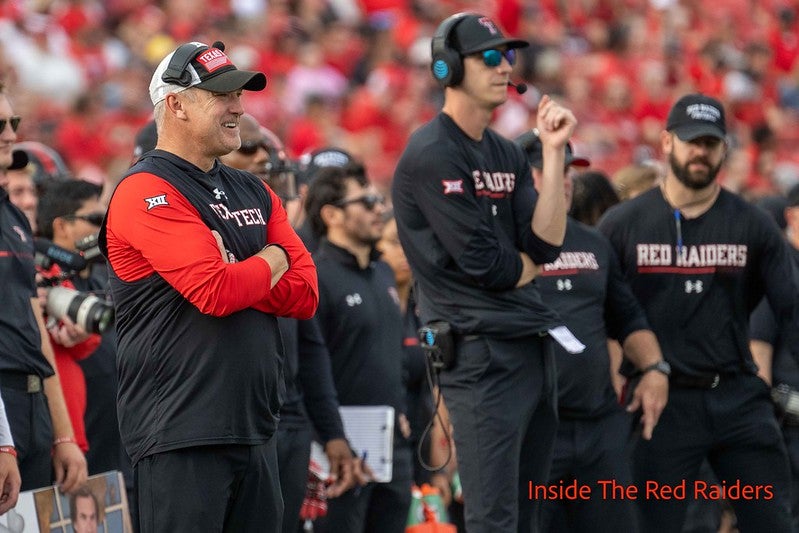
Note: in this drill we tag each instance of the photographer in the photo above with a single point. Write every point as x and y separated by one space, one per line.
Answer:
69 211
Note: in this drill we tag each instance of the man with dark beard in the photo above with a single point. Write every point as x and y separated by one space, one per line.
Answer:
699 259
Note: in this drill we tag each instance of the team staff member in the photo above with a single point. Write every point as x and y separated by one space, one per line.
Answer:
773 355
200 355
310 393
359 316
463 200
30 387
699 259
584 284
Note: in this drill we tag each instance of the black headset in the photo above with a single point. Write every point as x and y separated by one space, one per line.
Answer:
447 65
176 72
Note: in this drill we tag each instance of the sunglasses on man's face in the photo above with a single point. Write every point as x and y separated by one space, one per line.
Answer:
369 201
95 219
493 57
251 147
14 121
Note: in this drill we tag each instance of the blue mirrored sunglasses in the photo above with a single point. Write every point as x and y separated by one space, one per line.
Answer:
493 57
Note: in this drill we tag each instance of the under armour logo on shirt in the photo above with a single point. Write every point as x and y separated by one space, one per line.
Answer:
354 299
695 286
155 201
219 194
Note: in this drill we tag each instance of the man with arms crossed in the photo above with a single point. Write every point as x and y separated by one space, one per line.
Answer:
200 355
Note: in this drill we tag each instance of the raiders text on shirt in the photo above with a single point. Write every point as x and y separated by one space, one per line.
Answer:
663 258
493 184
570 263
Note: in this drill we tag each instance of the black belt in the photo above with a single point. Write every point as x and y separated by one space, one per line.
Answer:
704 381
30 383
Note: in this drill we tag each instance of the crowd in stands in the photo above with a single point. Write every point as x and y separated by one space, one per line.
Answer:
355 73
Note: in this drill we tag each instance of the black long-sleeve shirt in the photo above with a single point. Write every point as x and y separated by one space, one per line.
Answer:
310 392
359 317
586 286
698 294
463 210
20 341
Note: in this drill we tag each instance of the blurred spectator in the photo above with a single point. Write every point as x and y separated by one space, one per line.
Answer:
22 192
632 180
592 195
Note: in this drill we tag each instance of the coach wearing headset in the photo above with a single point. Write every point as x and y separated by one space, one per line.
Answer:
203 260
464 204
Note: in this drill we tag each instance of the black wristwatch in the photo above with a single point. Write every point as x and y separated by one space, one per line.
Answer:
661 366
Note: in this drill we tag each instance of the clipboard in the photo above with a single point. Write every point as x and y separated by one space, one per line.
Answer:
370 432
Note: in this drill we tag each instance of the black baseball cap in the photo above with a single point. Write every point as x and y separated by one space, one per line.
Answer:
19 159
531 143
209 68
146 139
697 115
475 33
312 163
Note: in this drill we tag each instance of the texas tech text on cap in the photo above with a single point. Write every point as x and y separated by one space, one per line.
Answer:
697 115
198 65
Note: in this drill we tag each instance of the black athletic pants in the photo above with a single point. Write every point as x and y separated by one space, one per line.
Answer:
32 430
293 456
734 427
220 488
502 397
594 452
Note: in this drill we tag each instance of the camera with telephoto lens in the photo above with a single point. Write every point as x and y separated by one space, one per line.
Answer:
83 308
787 400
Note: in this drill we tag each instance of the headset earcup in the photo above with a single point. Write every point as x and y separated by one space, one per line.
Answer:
447 65
447 68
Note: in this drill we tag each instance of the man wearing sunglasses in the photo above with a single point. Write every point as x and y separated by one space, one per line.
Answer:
31 388
360 320
474 229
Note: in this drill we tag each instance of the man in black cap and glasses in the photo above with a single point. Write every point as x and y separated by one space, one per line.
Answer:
699 259
203 260
473 233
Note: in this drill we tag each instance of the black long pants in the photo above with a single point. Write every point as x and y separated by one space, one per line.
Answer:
32 430
593 452
293 456
734 427
502 397
220 488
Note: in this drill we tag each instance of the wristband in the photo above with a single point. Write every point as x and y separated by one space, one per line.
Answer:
8 449
62 440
